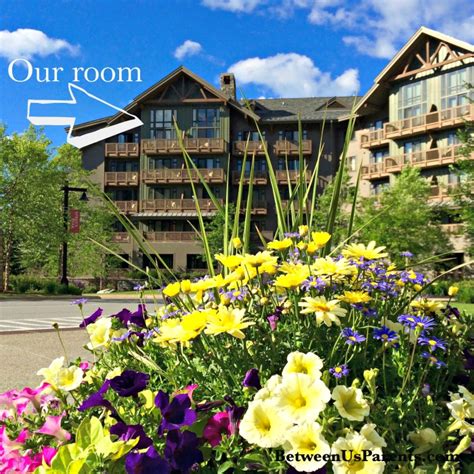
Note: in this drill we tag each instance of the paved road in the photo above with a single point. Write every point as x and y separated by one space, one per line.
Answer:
40 314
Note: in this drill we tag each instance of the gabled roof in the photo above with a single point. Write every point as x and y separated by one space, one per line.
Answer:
134 105
380 87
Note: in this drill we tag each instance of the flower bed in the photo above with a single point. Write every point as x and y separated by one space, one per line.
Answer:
286 361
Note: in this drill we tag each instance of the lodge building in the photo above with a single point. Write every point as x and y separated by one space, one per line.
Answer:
409 117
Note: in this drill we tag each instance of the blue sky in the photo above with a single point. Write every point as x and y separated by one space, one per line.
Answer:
276 48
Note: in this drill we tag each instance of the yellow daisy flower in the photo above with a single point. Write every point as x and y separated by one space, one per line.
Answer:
326 312
320 238
369 252
172 289
229 261
332 268
354 297
280 244
228 320
427 306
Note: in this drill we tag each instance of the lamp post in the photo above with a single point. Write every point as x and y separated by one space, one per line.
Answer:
66 190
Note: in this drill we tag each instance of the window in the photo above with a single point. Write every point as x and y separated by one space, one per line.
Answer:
120 165
412 100
161 123
128 138
454 90
412 147
168 258
206 123
352 163
378 188
123 194
195 262
254 136
207 163
291 135
376 125
453 139
378 156
260 165
283 164
160 163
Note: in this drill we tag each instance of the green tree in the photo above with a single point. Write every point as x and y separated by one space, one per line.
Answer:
405 219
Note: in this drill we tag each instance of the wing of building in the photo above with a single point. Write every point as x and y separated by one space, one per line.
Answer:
409 117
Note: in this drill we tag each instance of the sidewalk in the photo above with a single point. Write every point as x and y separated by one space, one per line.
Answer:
22 355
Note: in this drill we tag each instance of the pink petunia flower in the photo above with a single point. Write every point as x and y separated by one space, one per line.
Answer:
217 426
52 427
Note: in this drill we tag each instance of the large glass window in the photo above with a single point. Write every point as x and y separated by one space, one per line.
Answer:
161 123
207 163
130 137
206 123
291 135
283 164
453 139
160 163
412 146
412 100
120 165
454 89
254 136
260 165
378 156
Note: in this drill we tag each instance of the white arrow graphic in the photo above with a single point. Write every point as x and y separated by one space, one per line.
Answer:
88 138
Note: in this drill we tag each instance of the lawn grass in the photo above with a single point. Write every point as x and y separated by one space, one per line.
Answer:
468 307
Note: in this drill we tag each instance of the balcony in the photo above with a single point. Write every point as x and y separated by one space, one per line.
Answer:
127 207
253 147
125 178
180 176
259 208
422 159
170 236
121 238
433 121
122 150
456 228
291 147
165 146
177 206
286 204
282 176
373 138
259 177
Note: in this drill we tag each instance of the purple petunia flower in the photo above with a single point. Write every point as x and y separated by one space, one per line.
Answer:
181 450
417 322
129 383
451 311
252 380
138 317
469 360
92 318
123 316
176 413
272 321
127 432
339 371
97 400
432 342
385 334
352 337
147 462
433 360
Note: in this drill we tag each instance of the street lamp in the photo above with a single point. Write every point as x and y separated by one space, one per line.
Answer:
67 189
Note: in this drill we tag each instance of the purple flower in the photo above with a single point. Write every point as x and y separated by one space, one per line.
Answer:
252 380
181 450
138 317
469 362
130 383
97 400
123 316
385 334
339 371
273 320
126 432
433 360
352 337
92 318
176 413
146 463
451 311
313 283
139 287
80 302
365 310
432 342
417 322
406 254
426 389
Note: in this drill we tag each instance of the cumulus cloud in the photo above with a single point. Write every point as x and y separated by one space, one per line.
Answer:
242 6
293 75
28 43
188 48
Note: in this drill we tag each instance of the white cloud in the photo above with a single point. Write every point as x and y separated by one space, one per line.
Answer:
293 75
188 48
28 43
243 6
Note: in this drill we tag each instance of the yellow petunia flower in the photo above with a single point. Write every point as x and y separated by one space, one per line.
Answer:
229 321
423 440
270 388
326 312
307 440
60 377
354 297
99 333
350 403
229 261
369 252
301 398
351 451
299 363
369 433
280 244
264 425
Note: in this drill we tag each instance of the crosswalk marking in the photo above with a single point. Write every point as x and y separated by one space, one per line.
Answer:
40 324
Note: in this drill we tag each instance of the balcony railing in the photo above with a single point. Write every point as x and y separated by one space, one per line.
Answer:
177 176
121 238
170 236
176 205
122 150
259 208
259 177
165 146
373 138
291 147
255 146
127 206
421 159
431 121
286 203
453 228
121 178
282 176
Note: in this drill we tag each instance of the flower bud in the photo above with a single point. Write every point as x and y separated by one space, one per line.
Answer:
237 243
453 290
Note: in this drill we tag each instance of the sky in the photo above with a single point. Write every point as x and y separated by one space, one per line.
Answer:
276 48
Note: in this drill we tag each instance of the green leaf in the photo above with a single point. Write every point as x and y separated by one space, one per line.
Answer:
225 467
77 467
89 433
65 455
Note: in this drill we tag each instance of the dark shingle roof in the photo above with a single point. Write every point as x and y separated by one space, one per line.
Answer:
309 108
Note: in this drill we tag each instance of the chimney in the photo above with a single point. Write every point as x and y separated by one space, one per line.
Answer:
228 85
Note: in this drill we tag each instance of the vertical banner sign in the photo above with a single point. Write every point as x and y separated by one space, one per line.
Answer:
75 216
